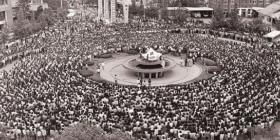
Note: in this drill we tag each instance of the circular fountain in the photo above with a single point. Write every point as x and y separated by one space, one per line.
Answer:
150 64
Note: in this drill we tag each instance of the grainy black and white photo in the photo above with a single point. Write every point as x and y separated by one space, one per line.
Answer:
139 70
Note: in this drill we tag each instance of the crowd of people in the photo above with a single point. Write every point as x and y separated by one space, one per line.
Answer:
44 93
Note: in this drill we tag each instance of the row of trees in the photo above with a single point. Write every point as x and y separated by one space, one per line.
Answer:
234 23
141 11
27 22
156 11
185 3
219 20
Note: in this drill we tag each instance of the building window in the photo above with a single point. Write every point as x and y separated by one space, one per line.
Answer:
3 2
2 16
36 1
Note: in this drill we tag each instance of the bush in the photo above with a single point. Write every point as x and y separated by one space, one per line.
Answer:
86 72
209 62
132 51
212 69
89 63
206 61
104 56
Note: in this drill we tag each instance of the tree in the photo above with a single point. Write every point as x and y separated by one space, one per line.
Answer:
47 18
184 3
151 12
88 132
277 25
38 12
23 9
21 26
136 10
90 2
233 23
56 4
180 16
4 35
255 26
218 20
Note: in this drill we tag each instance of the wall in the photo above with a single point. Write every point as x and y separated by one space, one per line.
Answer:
8 13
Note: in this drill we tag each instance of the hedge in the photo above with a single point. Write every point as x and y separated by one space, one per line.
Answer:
89 63
132 51
86 72
104 56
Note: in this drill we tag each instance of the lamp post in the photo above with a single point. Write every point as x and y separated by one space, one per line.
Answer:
61 4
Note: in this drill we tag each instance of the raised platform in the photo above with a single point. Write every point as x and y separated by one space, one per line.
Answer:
131 64
115 71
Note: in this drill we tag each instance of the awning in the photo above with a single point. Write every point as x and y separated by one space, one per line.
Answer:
199 9
191 8
272 34
276 15
257 8
271 9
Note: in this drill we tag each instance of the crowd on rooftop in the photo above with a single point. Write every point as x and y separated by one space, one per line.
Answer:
44 93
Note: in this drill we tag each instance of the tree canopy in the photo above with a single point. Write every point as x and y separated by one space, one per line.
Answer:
23 9
56 4
4 36
233 23
218 20
184 3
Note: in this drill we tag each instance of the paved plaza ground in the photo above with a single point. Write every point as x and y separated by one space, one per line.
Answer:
114 70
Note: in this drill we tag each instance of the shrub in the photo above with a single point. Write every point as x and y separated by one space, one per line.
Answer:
132 51
212 69
207 62
104 56
86 72
89 63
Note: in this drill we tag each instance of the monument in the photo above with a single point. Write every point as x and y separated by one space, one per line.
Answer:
150 64
107 10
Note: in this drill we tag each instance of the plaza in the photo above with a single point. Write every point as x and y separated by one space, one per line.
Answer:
88 76
180 74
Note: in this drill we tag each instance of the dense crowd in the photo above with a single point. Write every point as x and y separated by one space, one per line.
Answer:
45 93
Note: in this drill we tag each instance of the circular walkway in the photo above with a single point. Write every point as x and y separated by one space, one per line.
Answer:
178 75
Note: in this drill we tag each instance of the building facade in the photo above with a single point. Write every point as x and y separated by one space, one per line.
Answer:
229 5
5 13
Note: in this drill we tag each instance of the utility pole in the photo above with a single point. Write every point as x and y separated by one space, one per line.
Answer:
61 4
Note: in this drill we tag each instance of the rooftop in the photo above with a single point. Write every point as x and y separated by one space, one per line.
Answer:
271 9
191 8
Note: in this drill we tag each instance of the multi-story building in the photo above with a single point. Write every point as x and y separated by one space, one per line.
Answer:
228 5
5 13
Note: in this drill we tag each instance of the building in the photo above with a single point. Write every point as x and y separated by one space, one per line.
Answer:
271 13
249 11
193 12
229 5
5 13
